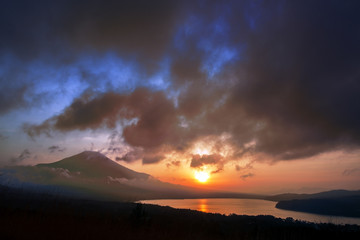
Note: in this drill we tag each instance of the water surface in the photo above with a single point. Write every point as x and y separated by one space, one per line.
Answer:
248 207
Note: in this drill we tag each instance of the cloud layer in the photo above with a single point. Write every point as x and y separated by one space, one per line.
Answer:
280 78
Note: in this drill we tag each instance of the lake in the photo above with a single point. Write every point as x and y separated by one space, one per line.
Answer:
248 207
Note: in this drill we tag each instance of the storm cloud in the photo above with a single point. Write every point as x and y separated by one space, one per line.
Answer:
281 78
153 113
132 27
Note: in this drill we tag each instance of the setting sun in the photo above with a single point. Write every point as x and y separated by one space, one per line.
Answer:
202 176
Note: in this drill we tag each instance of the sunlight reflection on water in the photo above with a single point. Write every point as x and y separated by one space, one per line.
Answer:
248 207
202 205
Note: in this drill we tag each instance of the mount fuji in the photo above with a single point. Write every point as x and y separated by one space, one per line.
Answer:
90 175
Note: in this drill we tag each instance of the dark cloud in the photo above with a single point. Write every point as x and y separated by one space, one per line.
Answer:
56 148
25 154
154 114
295 90
214 160
11 98
199 161
58 33
290 92
35 130
139 28
302 78
154 121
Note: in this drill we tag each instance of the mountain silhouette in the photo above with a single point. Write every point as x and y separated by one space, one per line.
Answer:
321 195
95 165
91 175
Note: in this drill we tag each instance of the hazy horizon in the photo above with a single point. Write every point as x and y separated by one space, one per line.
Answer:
68 170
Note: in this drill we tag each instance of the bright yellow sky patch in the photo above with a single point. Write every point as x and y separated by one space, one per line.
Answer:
202 176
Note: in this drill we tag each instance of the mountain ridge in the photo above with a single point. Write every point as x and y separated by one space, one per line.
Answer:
95 164
94 175
327 194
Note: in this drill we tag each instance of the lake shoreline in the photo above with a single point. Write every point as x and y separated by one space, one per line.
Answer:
41 216
342 206
252 207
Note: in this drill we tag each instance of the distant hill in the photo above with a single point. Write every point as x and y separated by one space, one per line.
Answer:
348 206
335 203
322 195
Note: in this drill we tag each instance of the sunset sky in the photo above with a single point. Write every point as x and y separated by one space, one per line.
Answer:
264 96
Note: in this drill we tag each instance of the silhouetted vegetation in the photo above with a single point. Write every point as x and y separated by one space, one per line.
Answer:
341 206
25 215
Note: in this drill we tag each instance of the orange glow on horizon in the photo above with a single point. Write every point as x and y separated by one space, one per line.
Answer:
302 176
